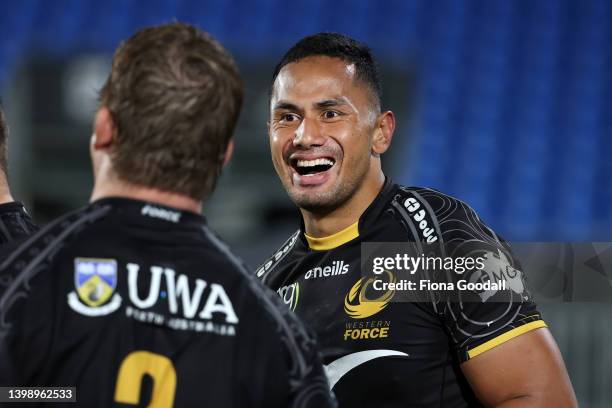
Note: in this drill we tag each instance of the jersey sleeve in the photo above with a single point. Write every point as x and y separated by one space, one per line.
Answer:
483 299
481 318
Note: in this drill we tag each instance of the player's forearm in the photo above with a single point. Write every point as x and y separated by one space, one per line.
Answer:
541 401
522 401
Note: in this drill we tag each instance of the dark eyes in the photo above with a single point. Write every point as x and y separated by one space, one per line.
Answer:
288 117
292 117
330 114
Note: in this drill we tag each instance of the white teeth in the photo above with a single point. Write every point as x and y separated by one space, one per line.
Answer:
316 162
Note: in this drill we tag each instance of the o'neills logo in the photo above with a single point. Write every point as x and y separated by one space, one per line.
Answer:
336 268
358 306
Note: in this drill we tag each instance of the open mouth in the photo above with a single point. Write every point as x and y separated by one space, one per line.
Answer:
312 167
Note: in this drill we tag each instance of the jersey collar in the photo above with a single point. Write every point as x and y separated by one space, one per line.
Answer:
352 231
150 213
333 241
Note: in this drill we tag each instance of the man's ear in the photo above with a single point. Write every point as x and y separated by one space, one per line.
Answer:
229 151
104 129
385 126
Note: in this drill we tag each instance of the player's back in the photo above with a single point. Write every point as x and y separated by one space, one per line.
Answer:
140 304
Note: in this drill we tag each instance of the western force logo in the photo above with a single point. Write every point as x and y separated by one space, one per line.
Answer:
95 281
336 268
290 295
358 306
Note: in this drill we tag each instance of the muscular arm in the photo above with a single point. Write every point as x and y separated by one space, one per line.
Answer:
527 371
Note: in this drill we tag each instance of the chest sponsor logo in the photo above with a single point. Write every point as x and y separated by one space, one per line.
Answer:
290 295
95 281
335 269
418 214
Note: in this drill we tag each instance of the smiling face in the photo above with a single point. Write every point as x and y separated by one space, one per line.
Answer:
322 125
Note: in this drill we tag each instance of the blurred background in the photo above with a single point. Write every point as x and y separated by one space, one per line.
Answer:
499 103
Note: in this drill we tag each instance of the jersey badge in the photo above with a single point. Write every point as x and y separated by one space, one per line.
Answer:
95 281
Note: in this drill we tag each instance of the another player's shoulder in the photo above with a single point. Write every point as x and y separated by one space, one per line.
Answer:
15 223
259 293
43 243
37 254
289 330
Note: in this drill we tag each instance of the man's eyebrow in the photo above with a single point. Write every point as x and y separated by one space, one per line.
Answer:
284 105
328 103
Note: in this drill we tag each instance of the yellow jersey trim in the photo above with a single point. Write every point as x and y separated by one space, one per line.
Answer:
509 335
333 241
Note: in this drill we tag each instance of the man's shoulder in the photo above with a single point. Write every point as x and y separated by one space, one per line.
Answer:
15 223
43 241
36 256
438 204
434 214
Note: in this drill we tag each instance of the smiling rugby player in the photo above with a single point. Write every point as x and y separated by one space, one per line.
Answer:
327 134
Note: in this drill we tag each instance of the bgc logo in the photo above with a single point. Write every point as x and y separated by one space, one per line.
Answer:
290 295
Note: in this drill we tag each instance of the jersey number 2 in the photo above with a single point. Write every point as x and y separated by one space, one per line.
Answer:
131 372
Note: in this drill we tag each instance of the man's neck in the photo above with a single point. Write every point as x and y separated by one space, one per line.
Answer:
122 189
5 198
324 225
5 194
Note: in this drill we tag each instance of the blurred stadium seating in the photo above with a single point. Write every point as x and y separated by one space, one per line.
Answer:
510 113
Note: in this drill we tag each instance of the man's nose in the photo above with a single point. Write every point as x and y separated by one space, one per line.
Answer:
308 134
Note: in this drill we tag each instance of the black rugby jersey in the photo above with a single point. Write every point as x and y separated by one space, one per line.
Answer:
137 304
381 352
15 223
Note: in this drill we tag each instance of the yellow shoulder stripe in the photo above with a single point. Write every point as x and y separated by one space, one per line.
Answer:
505 337
333 241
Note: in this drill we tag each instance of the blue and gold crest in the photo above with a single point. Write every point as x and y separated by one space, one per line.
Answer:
95 280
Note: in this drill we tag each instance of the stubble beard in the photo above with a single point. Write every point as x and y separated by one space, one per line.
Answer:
327 201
